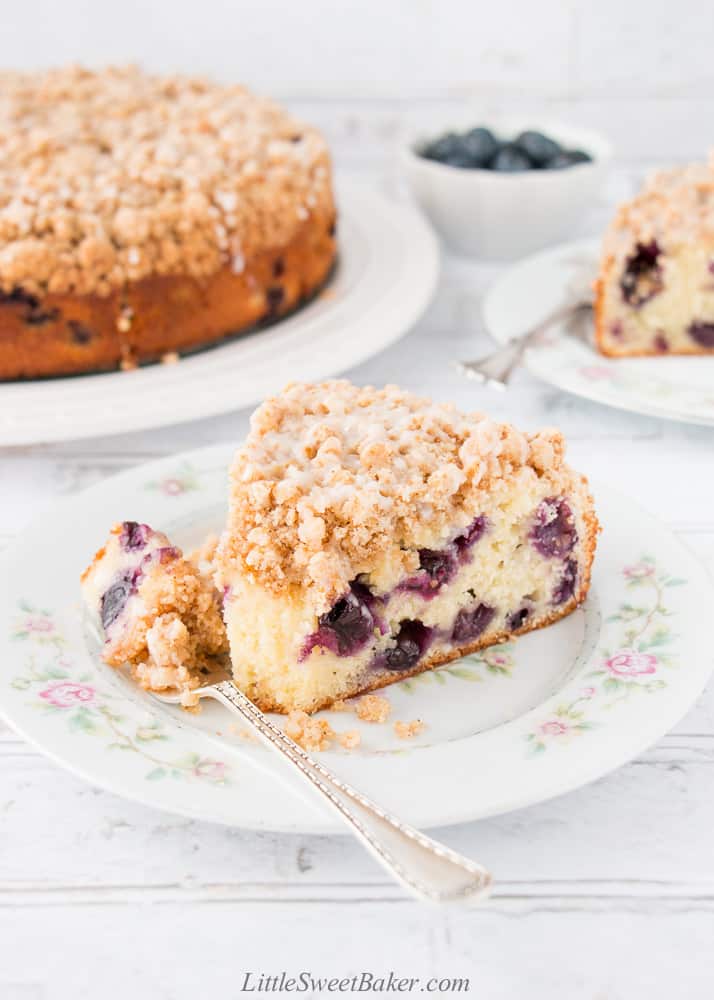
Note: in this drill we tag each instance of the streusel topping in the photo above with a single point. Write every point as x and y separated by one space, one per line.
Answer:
333 477
674 207
108 177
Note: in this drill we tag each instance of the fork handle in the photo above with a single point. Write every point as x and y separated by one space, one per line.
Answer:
428 869
496 368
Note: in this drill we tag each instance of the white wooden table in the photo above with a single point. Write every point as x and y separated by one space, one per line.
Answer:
607 892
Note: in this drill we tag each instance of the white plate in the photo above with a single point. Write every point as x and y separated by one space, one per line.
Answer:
386 275
508 727
676 388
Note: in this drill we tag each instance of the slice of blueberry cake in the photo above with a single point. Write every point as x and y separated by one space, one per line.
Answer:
655 291
373 535
158 611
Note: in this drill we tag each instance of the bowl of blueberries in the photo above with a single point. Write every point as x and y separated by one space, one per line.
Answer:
500 193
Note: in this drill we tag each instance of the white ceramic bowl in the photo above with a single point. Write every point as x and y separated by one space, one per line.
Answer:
502 216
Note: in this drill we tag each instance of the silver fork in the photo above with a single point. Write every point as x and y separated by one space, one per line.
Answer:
429 870
495 369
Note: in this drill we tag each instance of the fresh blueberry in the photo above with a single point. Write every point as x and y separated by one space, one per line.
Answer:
114 599
411 642
443 147
510 159
553 533
471 622
568 158
566 587
134 536
439 564
18 295
436 567
344 629
472 534
459 159
642 277
36 316
81 334
517 619
537 147
404 655
480 145
351 622
274 297
702 333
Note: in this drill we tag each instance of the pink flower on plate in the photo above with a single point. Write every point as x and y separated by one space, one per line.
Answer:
640 571
172 487
630 663
596 372
589 692
554 727
68 694
213 770
38 623
496 659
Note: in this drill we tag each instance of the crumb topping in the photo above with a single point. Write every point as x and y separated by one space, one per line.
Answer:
675 206
334 478
309 733
407 730
350 740
373 708
111 176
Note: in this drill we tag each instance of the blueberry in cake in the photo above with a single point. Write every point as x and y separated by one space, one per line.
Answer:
158 611
655 291
142 216
373 535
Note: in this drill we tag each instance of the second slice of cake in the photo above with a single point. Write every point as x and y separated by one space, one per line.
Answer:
655 290
373 535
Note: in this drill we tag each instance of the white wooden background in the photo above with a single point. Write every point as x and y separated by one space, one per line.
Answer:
606 893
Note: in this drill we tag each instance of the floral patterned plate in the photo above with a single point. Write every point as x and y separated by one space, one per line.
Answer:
507 727
676 388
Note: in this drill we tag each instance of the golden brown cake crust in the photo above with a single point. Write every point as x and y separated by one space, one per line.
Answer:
601 341
144 215
69 334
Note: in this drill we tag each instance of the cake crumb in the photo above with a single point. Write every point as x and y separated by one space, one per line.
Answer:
308 733
406 730
203 556
373 708
350 740
339 706
170 358
124 319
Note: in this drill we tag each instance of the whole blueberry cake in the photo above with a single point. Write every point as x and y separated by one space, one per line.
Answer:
373 535
157 611
143 216
655 292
